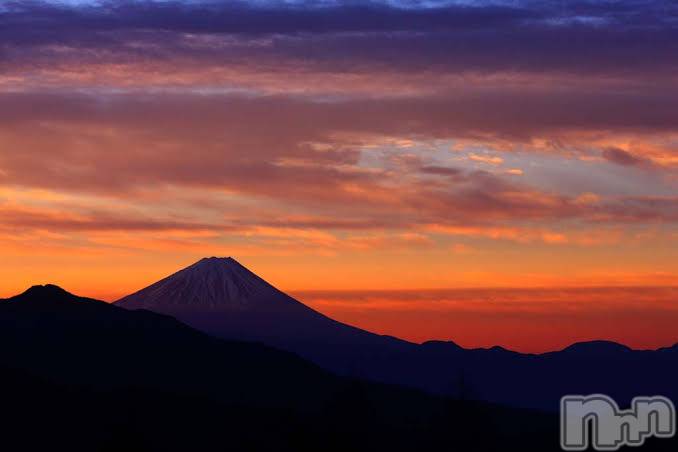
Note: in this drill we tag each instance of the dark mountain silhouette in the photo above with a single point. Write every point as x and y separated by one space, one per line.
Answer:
224 299
77 374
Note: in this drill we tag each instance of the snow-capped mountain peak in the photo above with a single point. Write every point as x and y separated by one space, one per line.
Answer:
210 283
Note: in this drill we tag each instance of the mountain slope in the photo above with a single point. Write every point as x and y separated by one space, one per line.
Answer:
81 375
222 298
83 341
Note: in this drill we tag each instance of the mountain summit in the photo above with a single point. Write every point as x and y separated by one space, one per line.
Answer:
46 298
213 284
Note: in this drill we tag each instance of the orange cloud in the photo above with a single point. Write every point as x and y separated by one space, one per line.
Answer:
491 160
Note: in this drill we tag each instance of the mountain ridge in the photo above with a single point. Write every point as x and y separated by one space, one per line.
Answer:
54 291
497 375
152 298
84 375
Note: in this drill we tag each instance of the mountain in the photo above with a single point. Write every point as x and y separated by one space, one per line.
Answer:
220 296
224 299
78 374
78 340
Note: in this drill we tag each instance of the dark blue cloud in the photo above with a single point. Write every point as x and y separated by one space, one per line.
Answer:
238 17
616 37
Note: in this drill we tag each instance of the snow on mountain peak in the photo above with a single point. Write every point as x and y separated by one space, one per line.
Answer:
212 282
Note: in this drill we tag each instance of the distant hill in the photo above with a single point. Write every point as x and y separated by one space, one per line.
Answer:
222 298
81 375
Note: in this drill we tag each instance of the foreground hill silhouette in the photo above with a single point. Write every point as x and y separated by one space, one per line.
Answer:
80 374
221 297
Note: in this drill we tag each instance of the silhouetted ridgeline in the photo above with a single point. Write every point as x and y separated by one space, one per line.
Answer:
221 297
79 374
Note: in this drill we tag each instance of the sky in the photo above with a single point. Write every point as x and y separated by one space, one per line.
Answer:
379 158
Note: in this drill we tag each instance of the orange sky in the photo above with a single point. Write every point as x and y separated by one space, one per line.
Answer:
482 154
528 320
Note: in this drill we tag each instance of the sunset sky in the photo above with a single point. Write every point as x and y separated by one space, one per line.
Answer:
497 172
